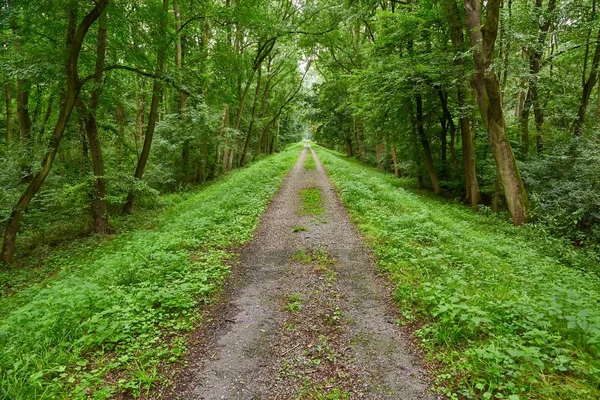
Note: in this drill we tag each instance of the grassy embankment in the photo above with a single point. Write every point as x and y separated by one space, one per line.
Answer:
504 312
113 312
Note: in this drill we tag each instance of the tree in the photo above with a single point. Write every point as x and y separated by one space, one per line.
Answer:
75 36
489 97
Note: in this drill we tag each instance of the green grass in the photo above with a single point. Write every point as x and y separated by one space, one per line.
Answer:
311 202
113 311
299 228
503 312
309 163
294 302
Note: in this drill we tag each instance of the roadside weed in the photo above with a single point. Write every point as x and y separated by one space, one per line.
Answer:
294 302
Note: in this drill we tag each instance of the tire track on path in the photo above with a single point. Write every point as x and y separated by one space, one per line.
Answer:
308 317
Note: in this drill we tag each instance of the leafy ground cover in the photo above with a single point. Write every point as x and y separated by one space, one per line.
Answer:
113 311
311 202
309 164
504 312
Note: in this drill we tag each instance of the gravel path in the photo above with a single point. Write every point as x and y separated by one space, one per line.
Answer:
306 317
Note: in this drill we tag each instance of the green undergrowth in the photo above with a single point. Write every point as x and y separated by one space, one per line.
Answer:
309 163
311 202
504 312
115 310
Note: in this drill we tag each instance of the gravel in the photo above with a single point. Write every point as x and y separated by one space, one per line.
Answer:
342 338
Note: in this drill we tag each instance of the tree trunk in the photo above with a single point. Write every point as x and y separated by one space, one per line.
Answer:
7 101
252 118
395 161
139 102
120 119
449 125
179 55
524 122
489 98
426 149
75 36
154 105
263 113
535 54
23 112
273 145
46 118
467 134
99 210
24 127
226 124
588 82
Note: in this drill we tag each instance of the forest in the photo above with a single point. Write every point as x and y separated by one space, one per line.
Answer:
142 145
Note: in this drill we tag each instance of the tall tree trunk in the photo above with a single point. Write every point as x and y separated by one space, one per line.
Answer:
252 118
139 103
46 117
226 125
395 161
120 119
379 148
179 56
587 82
7 102
157 90
23 112
467 133
449 125
426 149
263 112
99 210
24 119
588 87
535 54
75 36
203 159
489 98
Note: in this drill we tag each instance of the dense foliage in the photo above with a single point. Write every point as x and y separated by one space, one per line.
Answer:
507 312
399 88
160 95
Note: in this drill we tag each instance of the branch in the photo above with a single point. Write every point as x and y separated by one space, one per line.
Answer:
292 96
139 72
560 53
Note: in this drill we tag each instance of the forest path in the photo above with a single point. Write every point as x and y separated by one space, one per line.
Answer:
305 315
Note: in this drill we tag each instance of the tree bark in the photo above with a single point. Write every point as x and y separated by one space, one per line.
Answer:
467 133
23 112
7 102
535 54
157 90
588 82
426 149
99 209
226 124
489 99
252 118
46 118
395 161
75 36
179 56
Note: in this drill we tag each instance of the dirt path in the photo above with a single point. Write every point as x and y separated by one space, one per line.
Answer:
308 317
